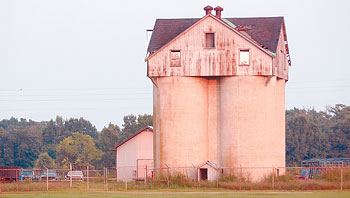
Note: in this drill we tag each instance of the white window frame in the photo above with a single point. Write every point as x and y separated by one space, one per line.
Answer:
239 54
172 59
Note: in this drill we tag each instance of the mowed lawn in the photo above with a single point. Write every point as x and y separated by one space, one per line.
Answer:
247 194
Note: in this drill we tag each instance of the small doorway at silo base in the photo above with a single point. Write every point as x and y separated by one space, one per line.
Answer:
203 173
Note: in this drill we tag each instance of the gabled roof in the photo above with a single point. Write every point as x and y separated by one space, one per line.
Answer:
166 30
138 132
209 163
264 30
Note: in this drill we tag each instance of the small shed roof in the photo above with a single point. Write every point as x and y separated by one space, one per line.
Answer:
150 128
264 30
210 163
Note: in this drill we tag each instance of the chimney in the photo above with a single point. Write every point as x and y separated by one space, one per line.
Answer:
208 9
218 11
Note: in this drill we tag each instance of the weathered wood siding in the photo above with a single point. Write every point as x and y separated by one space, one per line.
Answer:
281 62
196 60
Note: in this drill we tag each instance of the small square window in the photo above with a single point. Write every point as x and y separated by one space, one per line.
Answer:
175 58
243 57
209 40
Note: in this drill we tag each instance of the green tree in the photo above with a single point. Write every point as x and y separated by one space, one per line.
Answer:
133 124
304 138
14 123
57 130
108 139
78 149
20 142
53 133
82 126
129 126
6 148
144 120
339 134
26 144
44 161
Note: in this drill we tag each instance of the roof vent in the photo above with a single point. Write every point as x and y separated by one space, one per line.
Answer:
218 11
208 9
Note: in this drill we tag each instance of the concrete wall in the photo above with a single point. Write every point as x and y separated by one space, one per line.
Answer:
181 117
252 124
213 118
136 151
235 121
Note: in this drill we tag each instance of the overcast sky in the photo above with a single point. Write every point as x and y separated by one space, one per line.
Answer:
85 58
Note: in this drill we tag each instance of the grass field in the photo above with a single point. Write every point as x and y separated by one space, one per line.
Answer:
247 194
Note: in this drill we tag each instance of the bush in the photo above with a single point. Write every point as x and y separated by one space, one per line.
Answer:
333 175
228 178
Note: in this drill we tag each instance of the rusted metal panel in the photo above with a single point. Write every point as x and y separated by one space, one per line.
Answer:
198 60
9 173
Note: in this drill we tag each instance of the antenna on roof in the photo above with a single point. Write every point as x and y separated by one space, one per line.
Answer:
147 31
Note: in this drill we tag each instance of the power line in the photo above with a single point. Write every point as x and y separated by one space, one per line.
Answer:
73 89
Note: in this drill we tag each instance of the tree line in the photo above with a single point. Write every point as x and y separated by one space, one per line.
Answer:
317 134
56 143
59 142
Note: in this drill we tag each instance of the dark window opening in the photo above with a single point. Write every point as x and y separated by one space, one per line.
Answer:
209 40
203 174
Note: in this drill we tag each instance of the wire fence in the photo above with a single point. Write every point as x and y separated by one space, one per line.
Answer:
144 176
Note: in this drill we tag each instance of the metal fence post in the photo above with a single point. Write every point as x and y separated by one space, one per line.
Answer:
341 177
17 178
273 177
70 175
199 177
146 176
47 179
116 175
87 177
168 178
104 178
194 178
217 178
107 178
240 177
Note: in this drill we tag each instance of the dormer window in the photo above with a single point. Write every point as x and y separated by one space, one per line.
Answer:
175 58
244 57
209 40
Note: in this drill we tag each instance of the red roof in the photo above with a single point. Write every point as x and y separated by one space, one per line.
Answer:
264 30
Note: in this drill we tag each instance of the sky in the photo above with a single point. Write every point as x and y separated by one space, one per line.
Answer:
86 58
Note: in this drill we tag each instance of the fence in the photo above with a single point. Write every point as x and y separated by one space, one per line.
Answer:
235 178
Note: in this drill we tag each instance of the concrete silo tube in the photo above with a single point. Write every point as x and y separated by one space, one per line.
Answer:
180 119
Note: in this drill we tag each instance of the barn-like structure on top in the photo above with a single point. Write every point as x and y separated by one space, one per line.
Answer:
219 92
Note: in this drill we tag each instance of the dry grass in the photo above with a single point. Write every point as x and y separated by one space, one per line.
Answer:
89 194
327 180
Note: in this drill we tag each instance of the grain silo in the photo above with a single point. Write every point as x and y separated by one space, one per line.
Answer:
219 92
